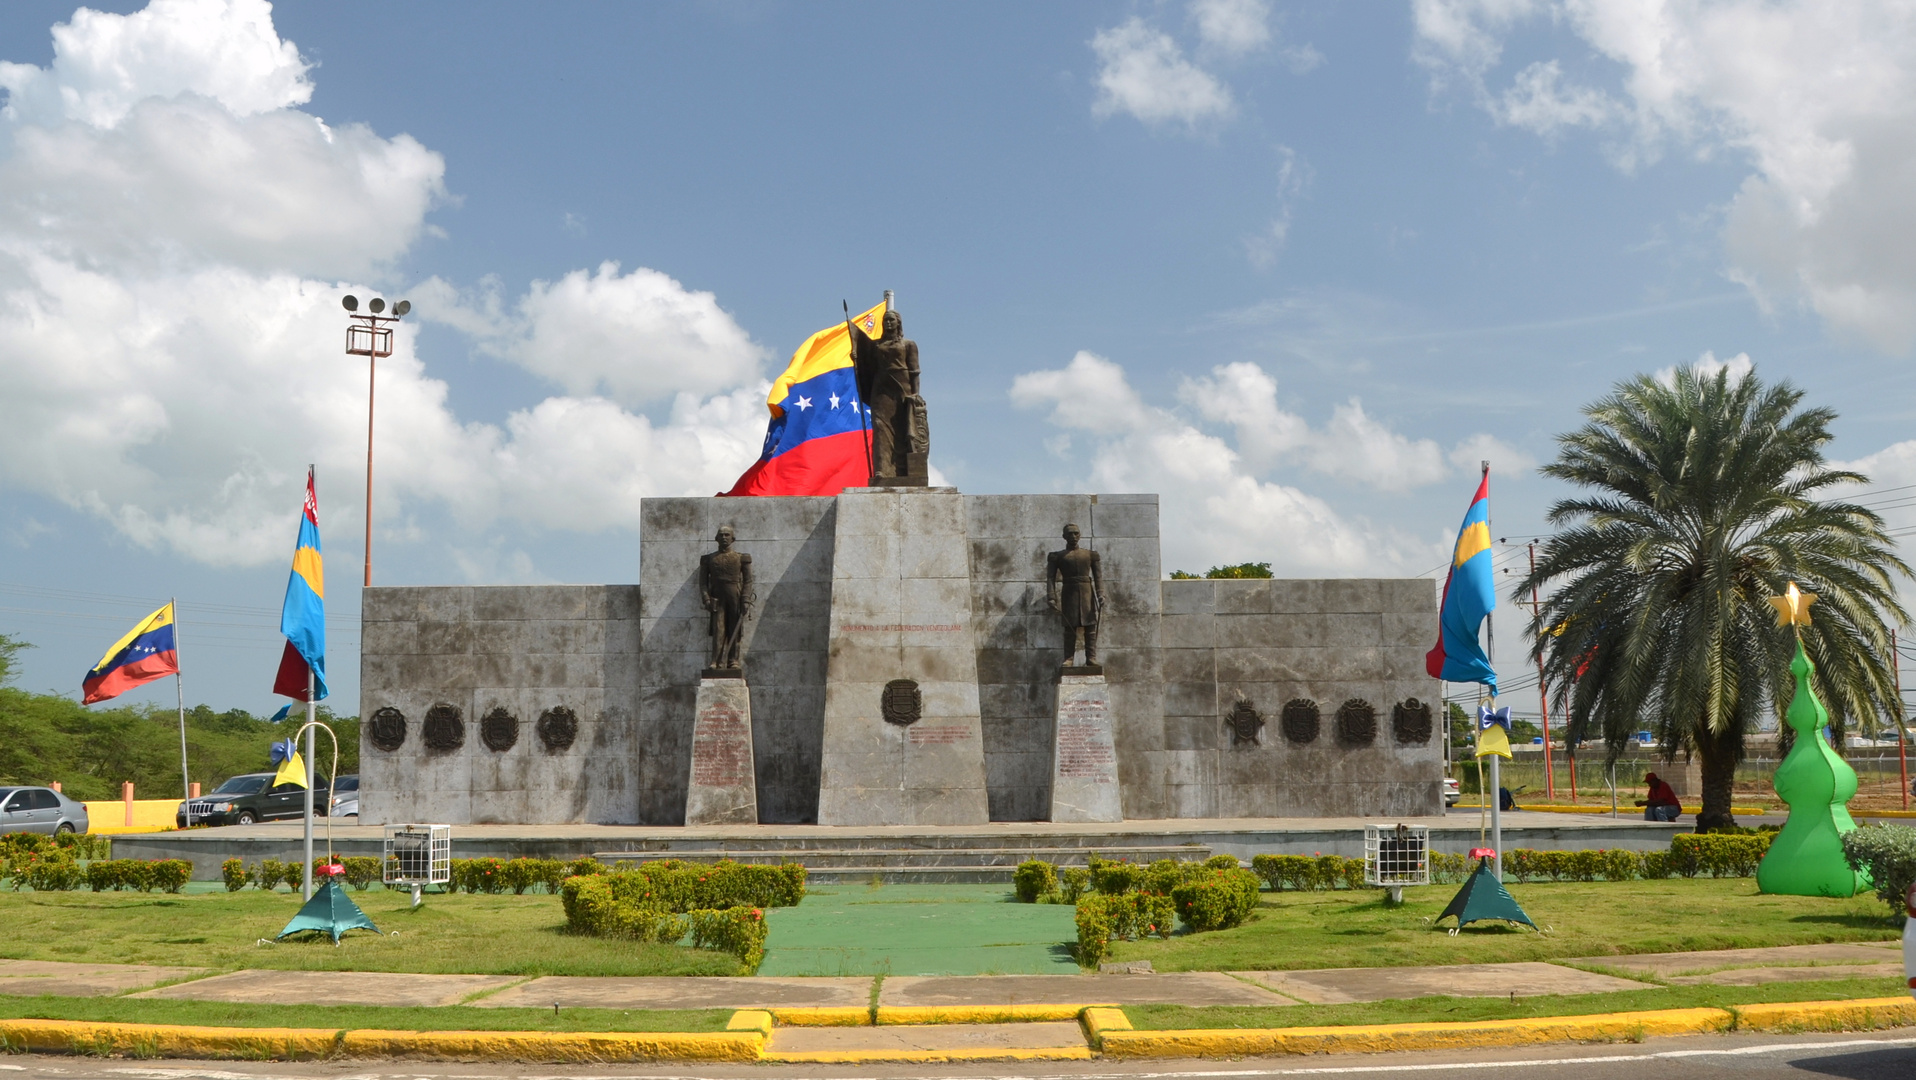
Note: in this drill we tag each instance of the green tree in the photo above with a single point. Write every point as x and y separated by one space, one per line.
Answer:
1238 570
1707 494
10 649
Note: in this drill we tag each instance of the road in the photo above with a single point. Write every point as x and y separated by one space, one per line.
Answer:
1872 1056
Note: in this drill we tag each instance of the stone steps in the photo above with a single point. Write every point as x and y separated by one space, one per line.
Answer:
924 865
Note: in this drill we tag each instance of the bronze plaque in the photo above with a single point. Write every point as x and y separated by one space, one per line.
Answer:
1410 721
1299 720
1356 723
901 703
1244 722
499 730
388 729
445 728
557 728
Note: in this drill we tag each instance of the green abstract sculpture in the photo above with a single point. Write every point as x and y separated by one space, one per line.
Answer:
1806 858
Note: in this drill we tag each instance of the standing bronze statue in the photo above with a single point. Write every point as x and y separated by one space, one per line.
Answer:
725 588
888 382
1081 598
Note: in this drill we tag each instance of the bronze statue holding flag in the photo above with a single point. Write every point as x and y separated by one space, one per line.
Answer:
888 383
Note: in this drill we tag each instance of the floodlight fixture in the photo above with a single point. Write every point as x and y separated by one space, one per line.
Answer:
376 305
349 302
402 307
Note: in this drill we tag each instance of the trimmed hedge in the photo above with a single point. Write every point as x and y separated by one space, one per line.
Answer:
594 905
1217 900
1307 872
517 876
678 886
144 875
1888 854
1034 880
1102 917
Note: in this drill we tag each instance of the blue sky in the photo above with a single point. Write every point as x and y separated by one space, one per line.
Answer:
1295 266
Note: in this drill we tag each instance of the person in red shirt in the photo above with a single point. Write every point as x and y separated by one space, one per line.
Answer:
1662 805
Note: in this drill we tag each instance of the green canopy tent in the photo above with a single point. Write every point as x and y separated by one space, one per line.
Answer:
330 911
1484 897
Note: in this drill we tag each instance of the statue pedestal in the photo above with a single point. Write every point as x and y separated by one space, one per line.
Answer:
1084 761
903 741
723 787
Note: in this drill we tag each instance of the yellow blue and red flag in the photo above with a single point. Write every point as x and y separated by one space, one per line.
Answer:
1493 731
146 653
303 616
1470 594
816 443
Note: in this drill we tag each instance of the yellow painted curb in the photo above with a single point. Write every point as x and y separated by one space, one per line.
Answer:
758 1020
1099 1019
1864 1013
824 1016
173 1040
977 1014
862 1057
1374 1038
1882 813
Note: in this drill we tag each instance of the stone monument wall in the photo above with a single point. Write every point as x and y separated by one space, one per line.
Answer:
526 650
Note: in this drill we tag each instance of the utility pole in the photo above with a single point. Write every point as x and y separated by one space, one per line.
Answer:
1902 737
1543 692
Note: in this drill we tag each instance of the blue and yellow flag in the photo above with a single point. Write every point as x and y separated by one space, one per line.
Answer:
303 616
1470 594
1493 731
292 767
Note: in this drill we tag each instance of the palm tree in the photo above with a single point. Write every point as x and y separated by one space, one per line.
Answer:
1706 497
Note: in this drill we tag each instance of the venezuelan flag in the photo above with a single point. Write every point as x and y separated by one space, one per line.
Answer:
816 442
146 653
302 618
1470 594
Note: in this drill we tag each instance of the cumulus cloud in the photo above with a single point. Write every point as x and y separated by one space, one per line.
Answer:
1232 26
174 238
1264 246
1708 365
1218 487
1144 73
1819 98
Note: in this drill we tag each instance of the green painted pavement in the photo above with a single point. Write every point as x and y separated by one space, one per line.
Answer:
918 930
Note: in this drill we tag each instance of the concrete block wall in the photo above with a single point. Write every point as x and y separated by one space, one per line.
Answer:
1269 642
1020 641
785 646
526 649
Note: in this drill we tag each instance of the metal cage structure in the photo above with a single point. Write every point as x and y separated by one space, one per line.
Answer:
1396 856
417 856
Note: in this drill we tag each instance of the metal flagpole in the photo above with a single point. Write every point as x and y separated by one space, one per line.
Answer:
1543 691
306 875
1902 738
1496 772
858 392
179 688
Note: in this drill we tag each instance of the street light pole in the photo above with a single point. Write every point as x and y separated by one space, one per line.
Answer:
371 336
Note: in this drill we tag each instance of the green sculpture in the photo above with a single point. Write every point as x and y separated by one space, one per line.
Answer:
1806 858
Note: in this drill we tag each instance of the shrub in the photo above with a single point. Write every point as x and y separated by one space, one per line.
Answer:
168 875
1285 871
736 930
53 872
1582 865
1167 874
583 866
592 908
362 871
1718 854
1445 867
1102 917
1619 864
1073 883
1223 862
1033 879
1113 877
270 872
105 874
1217 900
233 873
1656 865
1888 854
676 886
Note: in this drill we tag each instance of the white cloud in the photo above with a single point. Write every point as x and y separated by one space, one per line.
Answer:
1143 72
1263 247
639 337
1232 26
1356 448
1819 97
174 239
1708 365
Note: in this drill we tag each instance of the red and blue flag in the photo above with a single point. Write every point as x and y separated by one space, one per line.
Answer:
818 441
1470 594
302 618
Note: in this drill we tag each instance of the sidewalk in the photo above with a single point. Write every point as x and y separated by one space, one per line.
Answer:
1587 975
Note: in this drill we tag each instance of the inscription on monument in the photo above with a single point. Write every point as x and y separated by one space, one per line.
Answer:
1084 741
939 734
720 747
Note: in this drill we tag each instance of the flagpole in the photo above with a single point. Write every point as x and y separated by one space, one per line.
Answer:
858 393
306 871
179 689
1496 771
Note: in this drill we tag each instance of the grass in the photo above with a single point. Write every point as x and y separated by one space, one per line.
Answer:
1299 930
1437 1009
348 1017
462 933
918 930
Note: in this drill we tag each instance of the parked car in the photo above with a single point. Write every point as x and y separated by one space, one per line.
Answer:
1452 793
345 800
249 798
40 810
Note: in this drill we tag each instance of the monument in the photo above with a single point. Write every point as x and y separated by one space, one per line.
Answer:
889 656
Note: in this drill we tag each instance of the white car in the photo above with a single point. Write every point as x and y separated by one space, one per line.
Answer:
345 802
1452 792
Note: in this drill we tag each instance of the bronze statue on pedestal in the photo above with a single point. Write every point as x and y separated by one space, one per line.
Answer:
725 588
1074 584
888 383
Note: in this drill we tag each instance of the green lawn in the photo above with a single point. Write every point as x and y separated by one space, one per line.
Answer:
1450 1009
1297 930
490 935
347 1017
918 930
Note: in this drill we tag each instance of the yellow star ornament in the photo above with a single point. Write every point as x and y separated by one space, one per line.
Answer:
1793 607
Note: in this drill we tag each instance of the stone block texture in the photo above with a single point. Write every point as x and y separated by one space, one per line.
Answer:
625 659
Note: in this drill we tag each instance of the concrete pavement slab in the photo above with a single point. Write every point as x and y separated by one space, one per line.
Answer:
333 988
925 1037
666 992
1337 986
1666 965
1757 976
33 977
1171 988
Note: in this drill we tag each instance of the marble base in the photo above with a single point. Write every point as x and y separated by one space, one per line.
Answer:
901 610
723 786
1084 763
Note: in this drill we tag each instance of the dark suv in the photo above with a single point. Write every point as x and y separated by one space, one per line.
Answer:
253 797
